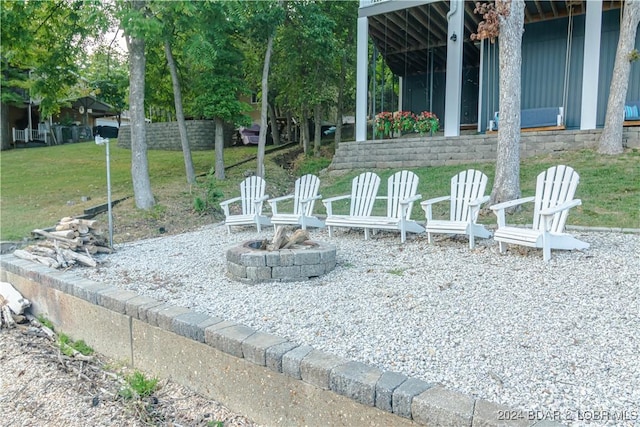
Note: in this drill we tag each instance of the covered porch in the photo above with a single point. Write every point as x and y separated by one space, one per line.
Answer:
427 45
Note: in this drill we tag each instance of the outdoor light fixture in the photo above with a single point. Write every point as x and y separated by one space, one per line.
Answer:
453 37
105 141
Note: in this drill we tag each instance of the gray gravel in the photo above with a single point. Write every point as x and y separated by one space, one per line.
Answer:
558 336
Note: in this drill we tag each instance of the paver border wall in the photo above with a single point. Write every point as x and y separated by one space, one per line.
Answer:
439 151
262 376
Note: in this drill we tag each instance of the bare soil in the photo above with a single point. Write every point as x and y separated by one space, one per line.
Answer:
40 386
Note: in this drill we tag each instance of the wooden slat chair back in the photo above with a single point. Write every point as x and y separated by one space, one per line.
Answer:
364 190
251 200
304 199
466 198
466 187
555 189
554 186
306 194
401 186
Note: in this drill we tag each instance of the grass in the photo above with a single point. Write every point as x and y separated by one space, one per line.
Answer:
609 187
41 185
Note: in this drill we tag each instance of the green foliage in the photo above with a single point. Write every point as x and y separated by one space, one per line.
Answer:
210 194
311 164
396 271
47 39
138 386
46 322
67 346
634 55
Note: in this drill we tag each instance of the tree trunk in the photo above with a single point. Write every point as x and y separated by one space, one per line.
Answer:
289 127
182 126
611 137
506 185
262 139
219 148
340 104
275 131
304 131
317 137
139 163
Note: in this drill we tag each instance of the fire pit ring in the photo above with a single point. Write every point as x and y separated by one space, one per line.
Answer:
248 263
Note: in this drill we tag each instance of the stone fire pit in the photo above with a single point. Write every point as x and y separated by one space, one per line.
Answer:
250 264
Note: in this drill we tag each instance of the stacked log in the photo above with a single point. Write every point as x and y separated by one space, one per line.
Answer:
74 241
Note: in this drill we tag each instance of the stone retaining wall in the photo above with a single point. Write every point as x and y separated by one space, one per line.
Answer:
165 135
437 151
264 377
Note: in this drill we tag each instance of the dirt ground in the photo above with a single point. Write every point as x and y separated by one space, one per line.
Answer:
40 386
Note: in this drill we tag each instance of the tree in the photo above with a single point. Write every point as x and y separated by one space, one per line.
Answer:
216 64
169 13
42 43
611 138
505 19
263 21
108 75
135 22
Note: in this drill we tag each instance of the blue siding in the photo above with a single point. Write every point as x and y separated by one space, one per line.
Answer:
544 46
608 47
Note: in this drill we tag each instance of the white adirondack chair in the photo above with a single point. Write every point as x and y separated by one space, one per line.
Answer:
304 199
364 189
465 200
553 199
251 199
402 187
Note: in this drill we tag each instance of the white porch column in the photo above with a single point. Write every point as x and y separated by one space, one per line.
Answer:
591 65
453 95
362 81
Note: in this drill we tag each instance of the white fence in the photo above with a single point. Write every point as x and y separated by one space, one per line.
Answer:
22 135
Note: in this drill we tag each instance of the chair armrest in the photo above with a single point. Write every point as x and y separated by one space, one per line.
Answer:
227 202
327 202
404 205
561 207
479 201
279 199
427 205
499 208
434 200
411 199
274 202
511 203
548 214
307 200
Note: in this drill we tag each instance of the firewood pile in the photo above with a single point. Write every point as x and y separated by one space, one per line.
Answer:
12 306
74 241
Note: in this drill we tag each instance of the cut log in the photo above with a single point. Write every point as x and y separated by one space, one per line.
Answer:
48 235
82 259
6 319
279 239
49 262
296 238
65 234
13 299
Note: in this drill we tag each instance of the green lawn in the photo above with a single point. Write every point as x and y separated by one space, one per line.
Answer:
41 185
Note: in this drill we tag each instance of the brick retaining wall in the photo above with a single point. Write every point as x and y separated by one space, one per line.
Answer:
165 135
438 150
263 376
